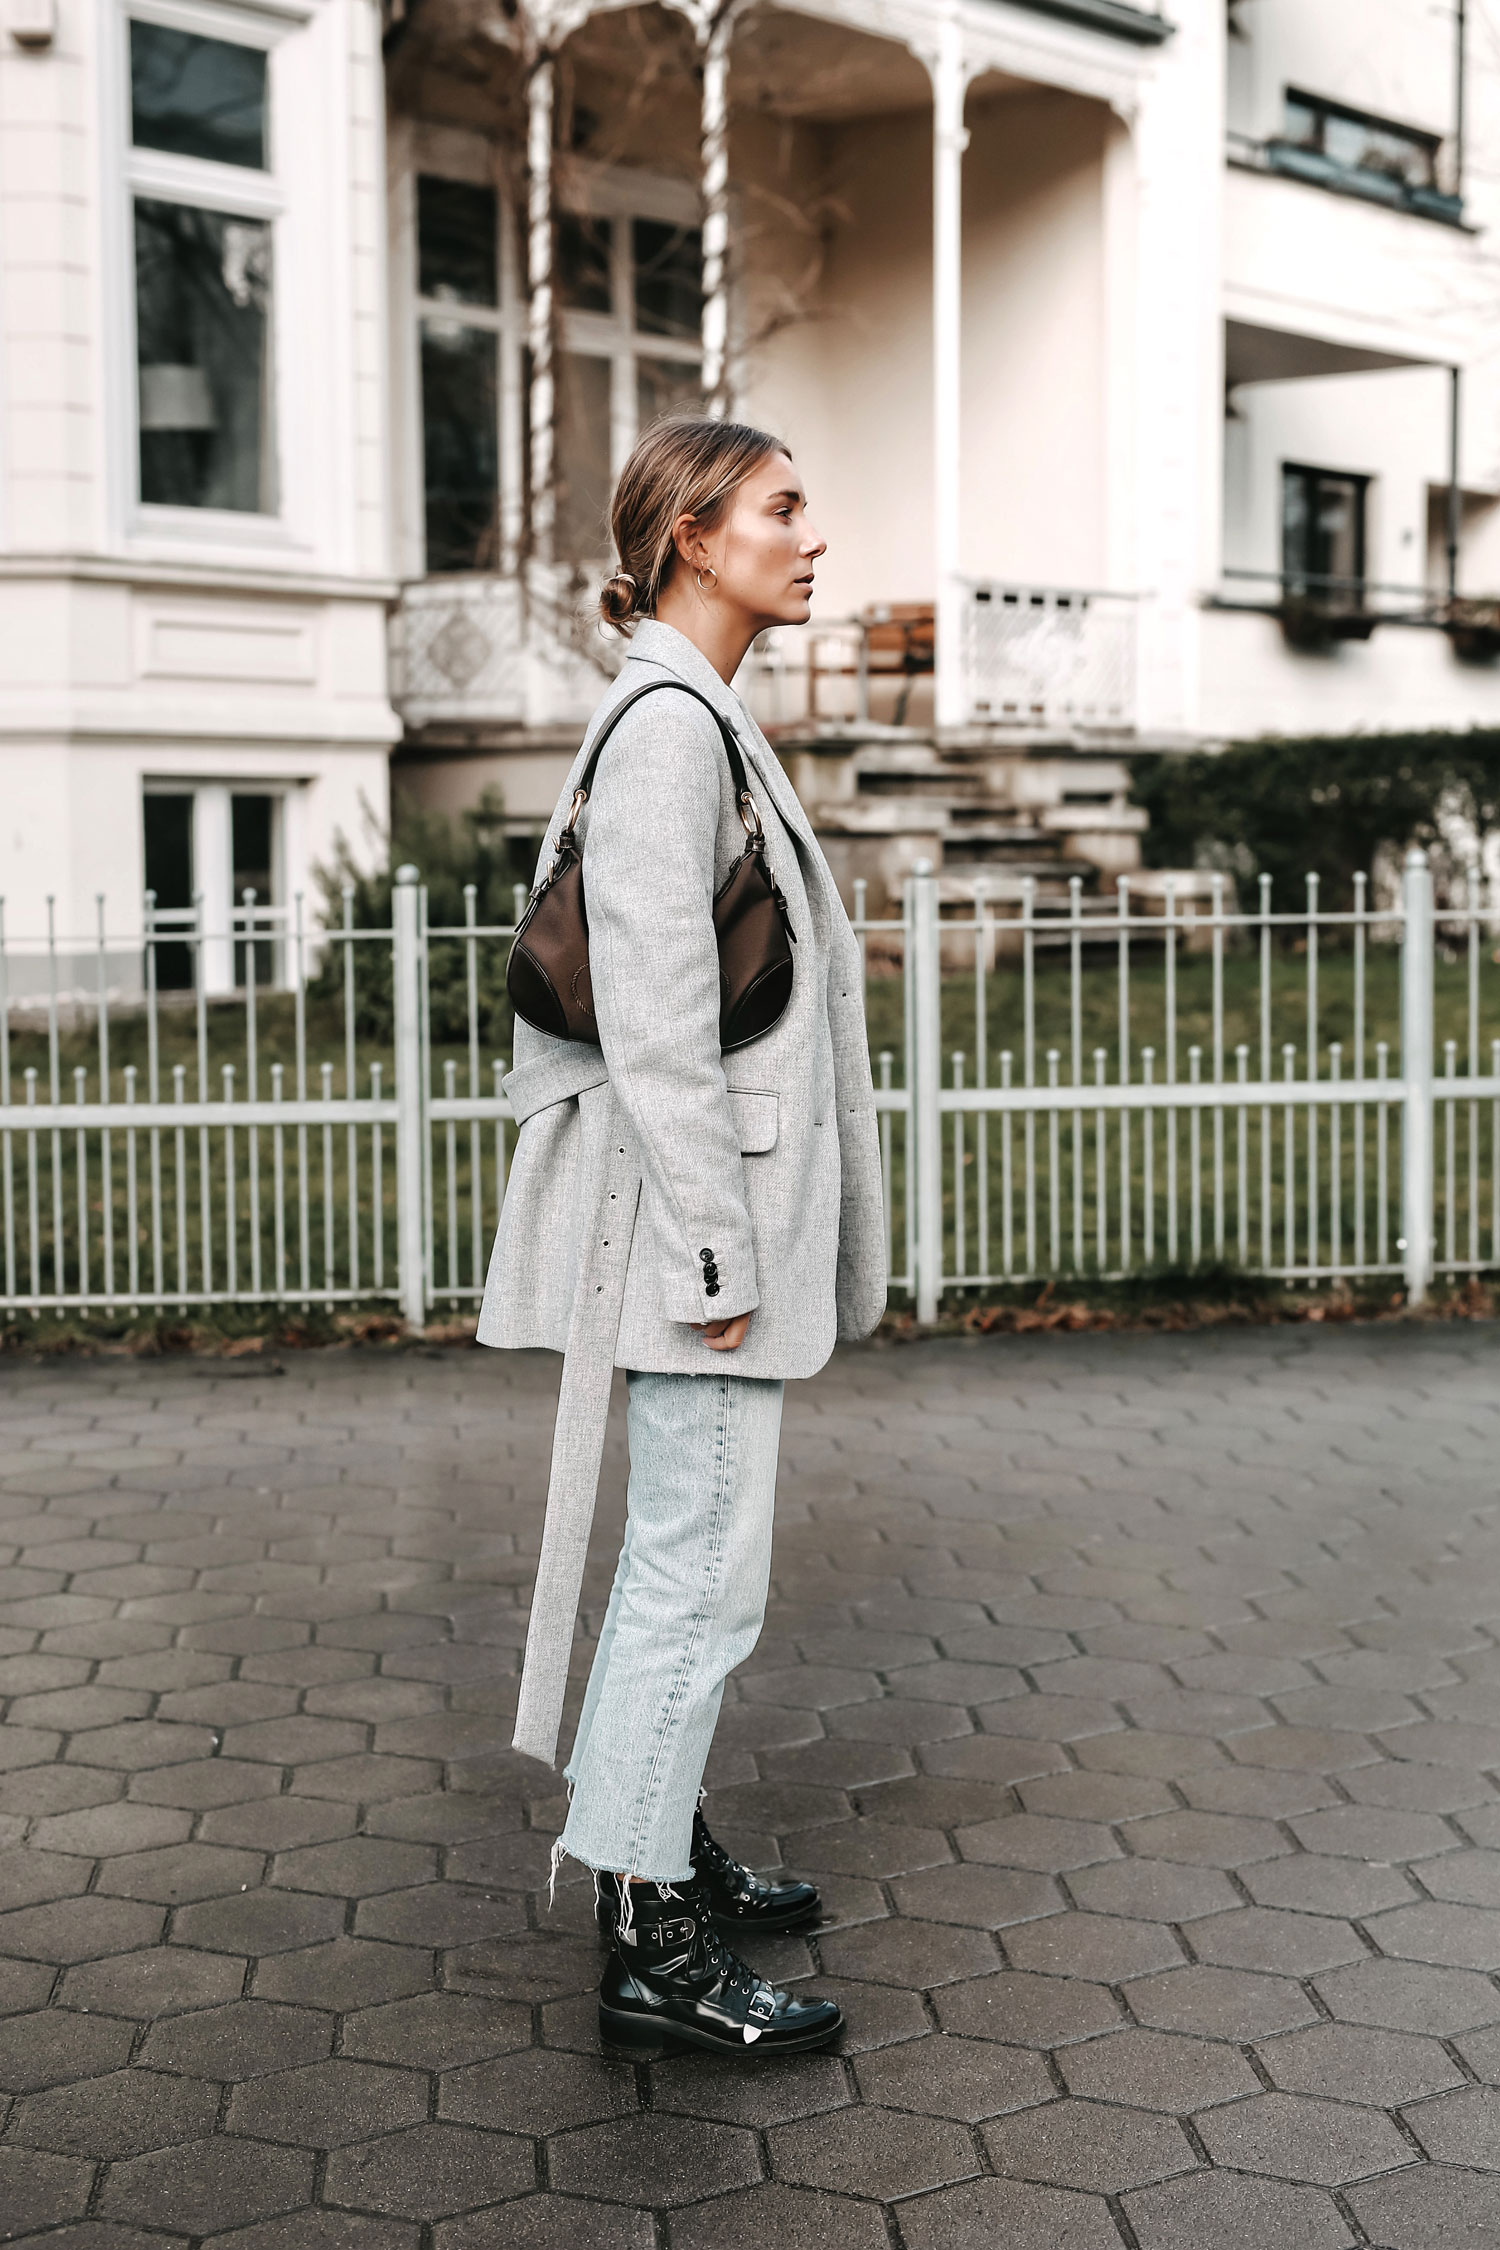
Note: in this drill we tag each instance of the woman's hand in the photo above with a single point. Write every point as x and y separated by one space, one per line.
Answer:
724 1335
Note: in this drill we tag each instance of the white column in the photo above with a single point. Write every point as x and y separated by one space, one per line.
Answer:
539 97
949 140
715 184
213 872
1173 386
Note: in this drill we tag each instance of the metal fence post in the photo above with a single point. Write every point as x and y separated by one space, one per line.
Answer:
926 1116
411 1103
1417 968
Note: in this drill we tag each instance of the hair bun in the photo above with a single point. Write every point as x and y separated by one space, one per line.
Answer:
619 599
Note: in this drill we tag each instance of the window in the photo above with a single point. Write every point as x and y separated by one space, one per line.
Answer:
629 296
203 273
252 828
206 844
1322 140
1323 536
169 874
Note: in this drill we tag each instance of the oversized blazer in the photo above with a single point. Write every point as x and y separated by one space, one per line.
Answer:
657 1183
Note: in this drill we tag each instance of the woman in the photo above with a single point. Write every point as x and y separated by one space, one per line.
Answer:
710 1223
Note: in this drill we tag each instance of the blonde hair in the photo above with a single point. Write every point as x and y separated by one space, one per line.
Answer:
684 466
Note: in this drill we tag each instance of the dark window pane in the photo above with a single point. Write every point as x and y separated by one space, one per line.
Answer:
668 278
460 446
253 836
582 261
583 455
1323 535
456 242
203 303
197 97
169 873
666 386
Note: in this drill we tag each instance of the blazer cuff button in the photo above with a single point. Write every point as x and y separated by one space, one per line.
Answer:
710 1289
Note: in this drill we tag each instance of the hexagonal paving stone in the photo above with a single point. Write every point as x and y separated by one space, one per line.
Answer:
872 2151
1258 1937
1234 2211
121 2114
1034 1841
1295 2137
1205 1839
328 2104
153 1983
1087 2145
1152 1890
428 2171
29 1877
1220 2003
737 2092
103 1831
953 2077
1460 2128
983 1898
529 1966
1462 1937
55 2045
1410 1996
1027 2011
1310 1884
437 2030
316 2230
258 1922
79 1929
243 2039
537 2092
1357 2063
981 2213
354 1866
1426 2208
791 2218
350 1973
916 1955
440 1914
1101 1947
38 2190
177 1874
137 1744
1368 1832
208 2187
1158 2070
654 2160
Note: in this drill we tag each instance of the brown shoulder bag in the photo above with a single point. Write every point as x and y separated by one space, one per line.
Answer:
548 973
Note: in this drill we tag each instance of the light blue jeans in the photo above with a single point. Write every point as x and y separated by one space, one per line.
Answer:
687 1605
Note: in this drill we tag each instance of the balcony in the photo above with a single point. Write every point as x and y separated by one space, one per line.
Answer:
1037 661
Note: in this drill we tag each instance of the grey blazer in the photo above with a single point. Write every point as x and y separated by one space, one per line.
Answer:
643 1161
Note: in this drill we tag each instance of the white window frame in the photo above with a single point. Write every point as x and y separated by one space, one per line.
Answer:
230 188
452 153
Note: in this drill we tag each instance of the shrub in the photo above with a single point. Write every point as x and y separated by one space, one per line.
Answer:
1333 806
449 854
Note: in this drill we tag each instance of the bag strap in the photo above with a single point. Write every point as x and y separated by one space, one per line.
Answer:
743 798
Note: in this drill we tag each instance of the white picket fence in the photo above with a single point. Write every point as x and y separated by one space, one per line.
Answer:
164 1151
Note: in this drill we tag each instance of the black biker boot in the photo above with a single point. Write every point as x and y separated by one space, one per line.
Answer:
739 1899
672 1981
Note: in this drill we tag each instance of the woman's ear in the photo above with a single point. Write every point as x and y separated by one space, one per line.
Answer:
687 542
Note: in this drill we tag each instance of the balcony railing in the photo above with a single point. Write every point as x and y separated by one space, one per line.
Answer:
478 651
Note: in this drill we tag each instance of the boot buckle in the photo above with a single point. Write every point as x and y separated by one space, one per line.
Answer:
676 1933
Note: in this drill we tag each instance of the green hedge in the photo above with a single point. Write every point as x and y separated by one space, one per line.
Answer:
1324 805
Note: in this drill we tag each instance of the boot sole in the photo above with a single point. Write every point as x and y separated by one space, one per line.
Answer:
632 2038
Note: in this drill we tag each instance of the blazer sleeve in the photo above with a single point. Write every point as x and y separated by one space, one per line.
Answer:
649 836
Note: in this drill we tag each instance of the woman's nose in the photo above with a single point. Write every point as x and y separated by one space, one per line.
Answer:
813 544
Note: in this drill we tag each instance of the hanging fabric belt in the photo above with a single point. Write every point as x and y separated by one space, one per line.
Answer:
582 1418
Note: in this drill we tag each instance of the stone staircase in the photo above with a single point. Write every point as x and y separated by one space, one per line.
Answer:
981 810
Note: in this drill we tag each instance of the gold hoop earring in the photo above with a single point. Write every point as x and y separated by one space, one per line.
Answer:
713 574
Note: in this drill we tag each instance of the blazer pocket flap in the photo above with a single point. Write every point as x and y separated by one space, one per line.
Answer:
755 1116
553 1078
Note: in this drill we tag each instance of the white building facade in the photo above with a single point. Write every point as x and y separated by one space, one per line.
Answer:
1143 367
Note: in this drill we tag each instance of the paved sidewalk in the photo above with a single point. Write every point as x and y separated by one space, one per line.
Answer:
1135 1700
